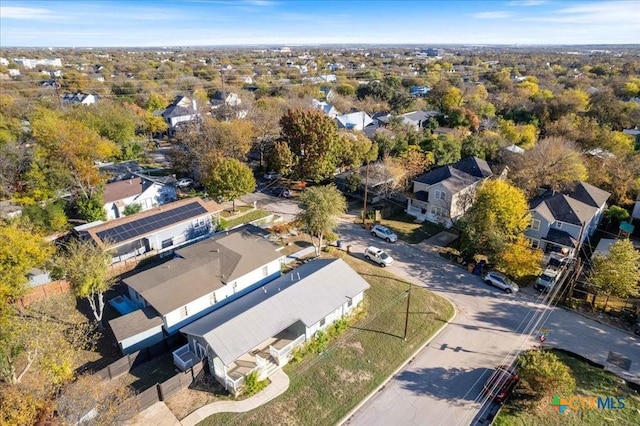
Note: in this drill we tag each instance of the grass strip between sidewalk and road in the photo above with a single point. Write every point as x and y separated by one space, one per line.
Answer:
325 387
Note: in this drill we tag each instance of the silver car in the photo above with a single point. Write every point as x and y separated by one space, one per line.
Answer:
498 280
377 255
384 233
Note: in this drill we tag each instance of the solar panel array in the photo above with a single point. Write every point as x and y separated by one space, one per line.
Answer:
149 224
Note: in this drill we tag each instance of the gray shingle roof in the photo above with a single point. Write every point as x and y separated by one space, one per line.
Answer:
577 207
134 323
201 268
465 171
307 294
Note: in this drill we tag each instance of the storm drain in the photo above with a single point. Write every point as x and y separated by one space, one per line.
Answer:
619 361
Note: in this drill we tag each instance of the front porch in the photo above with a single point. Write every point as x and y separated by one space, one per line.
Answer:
265 358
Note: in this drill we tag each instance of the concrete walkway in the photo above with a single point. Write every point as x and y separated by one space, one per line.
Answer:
279 384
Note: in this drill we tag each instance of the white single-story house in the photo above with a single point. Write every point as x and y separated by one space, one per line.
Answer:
157 230
259 331
353 121
79 98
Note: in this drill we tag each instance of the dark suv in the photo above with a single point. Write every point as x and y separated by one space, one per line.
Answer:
501 383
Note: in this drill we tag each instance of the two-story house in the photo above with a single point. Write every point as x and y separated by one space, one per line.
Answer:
198 279
444 194
144 191
181 110
562 221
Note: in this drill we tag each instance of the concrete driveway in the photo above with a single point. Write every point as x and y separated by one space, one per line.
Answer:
442 385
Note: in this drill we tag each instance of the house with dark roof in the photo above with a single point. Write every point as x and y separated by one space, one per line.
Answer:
562 221
259 331
444 194
146 192
181 110
198 279
155 231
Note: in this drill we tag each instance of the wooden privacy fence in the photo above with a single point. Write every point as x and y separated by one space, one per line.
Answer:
168 388
43 291
123 365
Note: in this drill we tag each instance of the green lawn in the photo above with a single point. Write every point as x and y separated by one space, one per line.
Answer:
410 231
325 387
590 381
249 217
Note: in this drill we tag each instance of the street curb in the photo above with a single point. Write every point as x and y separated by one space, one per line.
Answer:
348 416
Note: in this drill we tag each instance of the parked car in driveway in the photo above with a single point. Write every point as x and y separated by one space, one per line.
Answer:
377 255
547 279
279 191
498 280
384 233
185 183
272 175
501 383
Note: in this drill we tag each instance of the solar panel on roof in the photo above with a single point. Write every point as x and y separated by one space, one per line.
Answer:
149 224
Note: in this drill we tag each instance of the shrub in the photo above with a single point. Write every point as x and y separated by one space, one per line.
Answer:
252 385
132 209
319 342
338 327
545 373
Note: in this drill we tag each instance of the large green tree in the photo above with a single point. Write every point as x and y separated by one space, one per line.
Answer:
321 207
20 250
498 217
314 140
618 273
86 267
553 161
228 179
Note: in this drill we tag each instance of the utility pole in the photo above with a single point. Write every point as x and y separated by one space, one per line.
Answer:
406 318
366 188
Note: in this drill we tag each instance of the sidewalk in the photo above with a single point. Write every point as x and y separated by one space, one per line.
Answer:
279 384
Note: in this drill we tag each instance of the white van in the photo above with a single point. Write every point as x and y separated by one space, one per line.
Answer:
547 279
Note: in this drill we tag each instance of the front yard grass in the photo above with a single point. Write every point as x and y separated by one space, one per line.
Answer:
325 387
245 218
590 381
409 230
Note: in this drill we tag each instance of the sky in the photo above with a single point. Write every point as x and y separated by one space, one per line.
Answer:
161 23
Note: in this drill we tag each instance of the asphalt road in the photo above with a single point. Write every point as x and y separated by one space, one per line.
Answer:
442 384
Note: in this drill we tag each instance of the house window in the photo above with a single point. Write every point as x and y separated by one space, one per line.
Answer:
558 224
265 271
534 244
535 224
323 321
167 243
440 195
183 312
438 211
349 303
212 298
198 223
